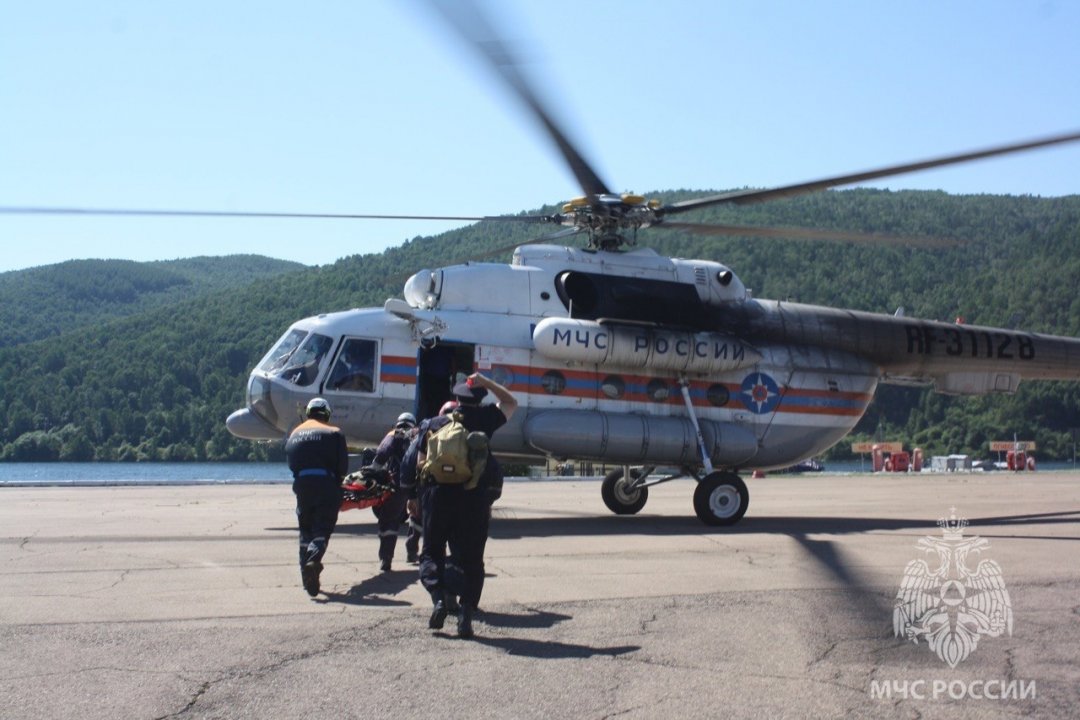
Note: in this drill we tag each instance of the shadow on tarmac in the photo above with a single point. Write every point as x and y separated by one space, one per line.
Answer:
857 590
363 593
544 649
862 596
506 527
534 619
551 650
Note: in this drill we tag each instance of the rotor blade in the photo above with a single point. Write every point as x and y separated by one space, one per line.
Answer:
793 233
32 210
557 235
744 197
475 27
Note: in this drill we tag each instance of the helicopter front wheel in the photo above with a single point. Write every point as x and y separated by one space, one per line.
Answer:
619 493
721 498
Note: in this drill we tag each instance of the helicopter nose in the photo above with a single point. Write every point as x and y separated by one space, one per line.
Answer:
249 426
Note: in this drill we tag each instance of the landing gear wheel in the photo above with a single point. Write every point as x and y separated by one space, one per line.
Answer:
619 497
721 498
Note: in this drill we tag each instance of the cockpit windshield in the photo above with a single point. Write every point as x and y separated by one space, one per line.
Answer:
298 365
276 358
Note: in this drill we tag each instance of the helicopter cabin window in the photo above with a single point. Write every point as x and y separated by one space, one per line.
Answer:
553 382
502 375
613 387
354 370
658 390
302 366
718 395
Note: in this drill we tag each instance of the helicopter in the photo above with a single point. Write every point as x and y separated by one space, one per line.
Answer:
627 357
623 356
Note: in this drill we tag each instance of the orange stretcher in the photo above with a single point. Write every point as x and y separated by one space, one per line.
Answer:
369 487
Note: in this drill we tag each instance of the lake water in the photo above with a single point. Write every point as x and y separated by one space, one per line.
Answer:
142 473
22 474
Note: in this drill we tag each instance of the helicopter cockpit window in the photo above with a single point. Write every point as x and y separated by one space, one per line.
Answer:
354 370
303 365
276 358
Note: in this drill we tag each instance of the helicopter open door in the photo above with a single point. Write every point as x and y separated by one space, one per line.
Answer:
440 367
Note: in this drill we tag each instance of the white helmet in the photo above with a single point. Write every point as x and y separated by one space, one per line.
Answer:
405 420
318 406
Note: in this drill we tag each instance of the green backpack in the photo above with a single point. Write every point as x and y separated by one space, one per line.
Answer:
455 456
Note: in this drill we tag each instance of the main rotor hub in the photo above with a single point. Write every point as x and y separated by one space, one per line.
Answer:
608 218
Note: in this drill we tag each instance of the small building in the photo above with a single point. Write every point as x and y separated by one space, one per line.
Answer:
950 463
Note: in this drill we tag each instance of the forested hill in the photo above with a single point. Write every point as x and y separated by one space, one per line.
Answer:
46 301
158 385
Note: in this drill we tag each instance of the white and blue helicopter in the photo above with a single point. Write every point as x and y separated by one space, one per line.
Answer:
627 357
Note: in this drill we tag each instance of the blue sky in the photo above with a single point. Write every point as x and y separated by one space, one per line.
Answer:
374 107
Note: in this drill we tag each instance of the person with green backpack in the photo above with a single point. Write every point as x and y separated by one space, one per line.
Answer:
457 480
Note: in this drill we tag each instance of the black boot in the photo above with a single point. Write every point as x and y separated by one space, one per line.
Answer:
309 574
464 623
438 613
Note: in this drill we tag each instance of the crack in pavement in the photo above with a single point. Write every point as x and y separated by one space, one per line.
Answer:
654 704
26 541
191 703
1010 664
334 642
643 625
803 678
823 655
123 575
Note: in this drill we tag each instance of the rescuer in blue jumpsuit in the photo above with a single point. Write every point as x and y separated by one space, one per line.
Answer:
319 459
415 522
451 514
391 512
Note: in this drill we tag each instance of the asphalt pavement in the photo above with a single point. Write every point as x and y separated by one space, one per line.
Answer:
185 602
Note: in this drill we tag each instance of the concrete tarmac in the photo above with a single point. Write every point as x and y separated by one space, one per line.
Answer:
185 602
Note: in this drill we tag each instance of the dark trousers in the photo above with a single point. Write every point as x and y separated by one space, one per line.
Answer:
318 501
412 541
460 518
390 516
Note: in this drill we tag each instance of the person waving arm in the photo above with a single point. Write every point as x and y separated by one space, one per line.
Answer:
504 399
